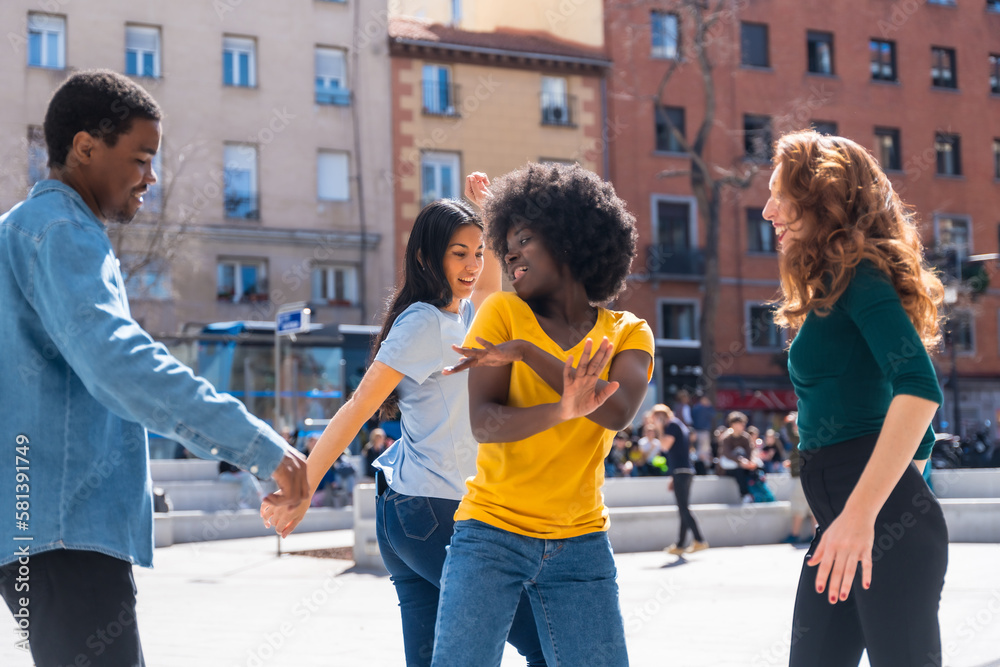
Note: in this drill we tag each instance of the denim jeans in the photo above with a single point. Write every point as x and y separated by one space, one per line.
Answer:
413 534
570 583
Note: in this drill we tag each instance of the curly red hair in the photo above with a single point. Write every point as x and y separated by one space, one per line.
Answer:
848 212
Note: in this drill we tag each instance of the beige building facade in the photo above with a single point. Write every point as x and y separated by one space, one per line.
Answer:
467 101
276 148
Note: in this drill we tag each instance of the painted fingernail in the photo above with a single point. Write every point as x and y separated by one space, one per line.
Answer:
833 599
843 596
819 589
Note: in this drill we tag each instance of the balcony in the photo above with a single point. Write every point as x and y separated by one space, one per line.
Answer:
439 98
241 205
558 109
664 261
332 95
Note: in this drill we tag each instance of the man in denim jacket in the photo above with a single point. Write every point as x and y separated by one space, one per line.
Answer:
81 383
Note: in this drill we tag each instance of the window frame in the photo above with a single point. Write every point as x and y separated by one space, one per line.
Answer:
253 194
548 115
663 51
450 108
893 62
766 31
240 295
747 155
230 48
347 175
759 222
692 204
896 134
695 340
40 18
955 141
748 339
327 274
814 38
952 70
155 30
672 146
334 89
994 59
438 159
962 217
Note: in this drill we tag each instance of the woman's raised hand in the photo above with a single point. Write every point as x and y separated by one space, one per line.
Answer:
489 355
581 393
477 188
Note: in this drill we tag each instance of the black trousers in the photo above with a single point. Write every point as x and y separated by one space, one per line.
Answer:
897 618
80 608
742 478
682 490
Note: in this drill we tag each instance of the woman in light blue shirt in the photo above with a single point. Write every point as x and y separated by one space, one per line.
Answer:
421 477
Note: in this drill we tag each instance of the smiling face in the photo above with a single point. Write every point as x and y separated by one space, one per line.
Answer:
118 176
777 212
529 264
463 262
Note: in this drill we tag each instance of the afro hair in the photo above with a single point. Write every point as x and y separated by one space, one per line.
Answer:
100 102
581 220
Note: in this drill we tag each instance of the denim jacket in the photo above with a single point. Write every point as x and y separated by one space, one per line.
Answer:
81 382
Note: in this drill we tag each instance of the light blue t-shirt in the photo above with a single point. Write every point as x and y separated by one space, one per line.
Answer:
437 452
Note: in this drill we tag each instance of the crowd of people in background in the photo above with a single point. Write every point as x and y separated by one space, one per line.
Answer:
729 447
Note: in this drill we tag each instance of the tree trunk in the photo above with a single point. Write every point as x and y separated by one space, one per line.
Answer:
710 369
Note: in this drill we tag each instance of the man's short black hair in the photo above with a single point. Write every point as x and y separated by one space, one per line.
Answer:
583 223
100 102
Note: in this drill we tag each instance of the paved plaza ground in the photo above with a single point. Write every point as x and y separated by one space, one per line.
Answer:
236 604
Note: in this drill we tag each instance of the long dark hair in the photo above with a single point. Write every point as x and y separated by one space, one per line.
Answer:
423 270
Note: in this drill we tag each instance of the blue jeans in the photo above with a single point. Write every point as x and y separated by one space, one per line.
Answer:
570 584
413 534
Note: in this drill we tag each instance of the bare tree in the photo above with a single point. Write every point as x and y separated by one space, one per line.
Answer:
705 44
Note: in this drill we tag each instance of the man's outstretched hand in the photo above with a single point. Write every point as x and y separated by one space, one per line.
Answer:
290 476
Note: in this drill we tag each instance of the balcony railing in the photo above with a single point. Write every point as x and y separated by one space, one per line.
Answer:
242 206
558 109
439 98
667 260
335 95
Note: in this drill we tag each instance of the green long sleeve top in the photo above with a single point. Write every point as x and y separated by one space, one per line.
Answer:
847 367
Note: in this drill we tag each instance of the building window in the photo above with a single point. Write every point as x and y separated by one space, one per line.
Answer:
888 147
962 331
456 12
239 62
757 137
332 176
146 278
753 39
335 285
995 74
38 155
679 321
242 280
665 33
439 173
241 182
331 80
952 234
760 232
883 56
665 139
439 93
820 51
827 127
943 71
142 51
555 101
762 333
46 41
949 154
673 224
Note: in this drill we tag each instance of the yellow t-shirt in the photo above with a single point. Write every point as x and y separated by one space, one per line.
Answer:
549 485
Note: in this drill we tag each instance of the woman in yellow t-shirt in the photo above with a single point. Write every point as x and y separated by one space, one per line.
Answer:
534 518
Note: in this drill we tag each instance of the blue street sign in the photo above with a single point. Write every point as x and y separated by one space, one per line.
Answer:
293 321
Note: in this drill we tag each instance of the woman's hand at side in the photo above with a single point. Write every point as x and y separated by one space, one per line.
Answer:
283 518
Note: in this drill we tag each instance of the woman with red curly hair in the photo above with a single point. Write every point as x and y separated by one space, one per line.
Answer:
865 306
